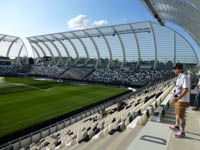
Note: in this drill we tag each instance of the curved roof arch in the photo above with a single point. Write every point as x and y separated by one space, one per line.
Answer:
120 44
12 46
184 13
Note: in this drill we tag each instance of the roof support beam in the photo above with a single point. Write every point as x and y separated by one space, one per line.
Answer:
3 37
155 45
186 24
74 47
52 55
183 13
85 48
196 3
153 11
188 9
138 45
185 27
66 50
122 46
60 57
174 48
9 48
98 63
36 51
190 22
42 50
108 45
18 56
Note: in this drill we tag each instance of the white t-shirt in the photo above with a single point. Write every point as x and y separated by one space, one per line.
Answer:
183 82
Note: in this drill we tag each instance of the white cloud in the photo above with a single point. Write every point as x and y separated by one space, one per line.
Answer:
82 22
100 23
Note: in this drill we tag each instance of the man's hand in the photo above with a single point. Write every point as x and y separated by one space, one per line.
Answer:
198 85
185 90
175 99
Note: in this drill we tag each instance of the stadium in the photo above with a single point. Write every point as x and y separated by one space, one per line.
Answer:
84 88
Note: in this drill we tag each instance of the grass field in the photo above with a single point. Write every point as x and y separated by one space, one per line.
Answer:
25 102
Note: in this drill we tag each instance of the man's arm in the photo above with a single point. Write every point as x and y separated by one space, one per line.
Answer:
185 90
198 84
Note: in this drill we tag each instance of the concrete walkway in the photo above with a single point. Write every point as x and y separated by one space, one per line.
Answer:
192 139
154 136
157 135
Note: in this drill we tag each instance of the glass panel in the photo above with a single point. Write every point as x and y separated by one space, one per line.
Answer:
4 47
79 47
60 48
6 42
93 32
102 47
115 45
23 52
184 53
129 42
146 41
15 49
38 50
69 35
59 36
41 47
49 37
90 47
80 34
164 41
53 49
165 44
71 50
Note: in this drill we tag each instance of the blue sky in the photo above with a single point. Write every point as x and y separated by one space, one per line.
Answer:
36 17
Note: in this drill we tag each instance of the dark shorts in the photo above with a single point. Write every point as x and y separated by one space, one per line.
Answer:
180 108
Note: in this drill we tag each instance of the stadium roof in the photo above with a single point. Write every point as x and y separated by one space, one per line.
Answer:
12 46
127 43
185 13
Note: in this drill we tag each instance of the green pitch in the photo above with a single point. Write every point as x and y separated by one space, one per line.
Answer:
25 102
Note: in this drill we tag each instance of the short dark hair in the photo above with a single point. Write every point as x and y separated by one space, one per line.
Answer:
178 66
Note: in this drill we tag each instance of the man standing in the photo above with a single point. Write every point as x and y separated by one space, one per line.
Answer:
181 100
197 98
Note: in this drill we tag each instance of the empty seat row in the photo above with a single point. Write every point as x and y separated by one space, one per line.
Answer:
88 129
